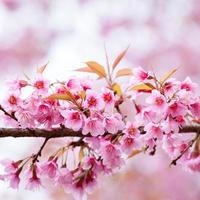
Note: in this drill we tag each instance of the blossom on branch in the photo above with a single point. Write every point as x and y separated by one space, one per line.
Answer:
105 127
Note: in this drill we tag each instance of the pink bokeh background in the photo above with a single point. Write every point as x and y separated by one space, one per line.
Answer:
161 34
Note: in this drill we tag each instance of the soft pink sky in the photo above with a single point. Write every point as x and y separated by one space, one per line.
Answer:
162 34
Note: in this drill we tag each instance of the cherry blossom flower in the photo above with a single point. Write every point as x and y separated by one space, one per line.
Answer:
10 122
13 179
90 181
157 101
140 74
92 101
9 165
94 126
49 168
176 108
153 131
47 116
168 143
113 123
131 129
86 84
91 162
186 97
64 178
111 156
93 142
73 84
25 118
108 97
170 125
12 171
33 181
173 145
170 87
192 162
195 109
188 85
17 84
83 183
127 144
41 85
12 101
146 115
73 119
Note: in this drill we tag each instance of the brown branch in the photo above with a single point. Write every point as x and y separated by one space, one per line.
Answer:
174 162
39 153
190 129
27 132
65 132
12 115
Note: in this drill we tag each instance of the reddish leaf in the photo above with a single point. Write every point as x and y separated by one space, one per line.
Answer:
62 96
81 154
41 69
143 87
119 58
124 72
82 94
96 68
84 69
134 153
167 75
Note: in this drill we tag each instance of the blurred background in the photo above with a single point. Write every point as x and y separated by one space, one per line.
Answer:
161 34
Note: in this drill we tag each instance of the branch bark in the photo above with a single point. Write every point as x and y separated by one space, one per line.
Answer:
64 132
43 133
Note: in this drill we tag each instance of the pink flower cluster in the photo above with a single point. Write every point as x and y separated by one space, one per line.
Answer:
109 135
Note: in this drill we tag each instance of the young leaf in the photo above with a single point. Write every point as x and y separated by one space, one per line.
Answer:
119 58
167 75
196 121
96 68
82 94
143 87
81 154
117 89
124 72
84 69
61 96
134 153
41 69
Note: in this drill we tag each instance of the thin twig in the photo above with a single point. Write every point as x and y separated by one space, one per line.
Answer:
12 115
185 150
36 156
108 64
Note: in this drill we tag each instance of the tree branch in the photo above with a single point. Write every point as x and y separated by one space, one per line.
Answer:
44 133
64 132
12 115
190 129
185 150
40 151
